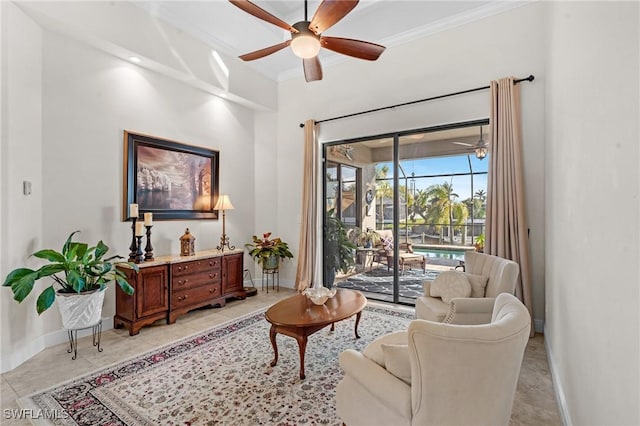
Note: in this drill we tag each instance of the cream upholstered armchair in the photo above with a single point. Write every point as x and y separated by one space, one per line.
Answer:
485 276
438 373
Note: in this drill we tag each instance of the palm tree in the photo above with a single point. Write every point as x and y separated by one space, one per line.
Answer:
441 198
460 215
383 189
479 204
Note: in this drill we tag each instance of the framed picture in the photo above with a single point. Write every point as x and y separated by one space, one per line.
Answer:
169 179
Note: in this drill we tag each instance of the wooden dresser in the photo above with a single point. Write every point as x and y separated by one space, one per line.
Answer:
170 286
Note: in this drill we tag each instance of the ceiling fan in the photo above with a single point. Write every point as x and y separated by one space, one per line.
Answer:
481 146
306 39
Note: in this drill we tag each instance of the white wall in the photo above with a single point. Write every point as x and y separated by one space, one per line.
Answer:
21 159
88 98
462 58
592 210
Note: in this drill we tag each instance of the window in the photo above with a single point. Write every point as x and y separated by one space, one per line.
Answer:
426 191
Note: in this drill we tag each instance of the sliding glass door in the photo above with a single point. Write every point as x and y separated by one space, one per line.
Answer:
400 208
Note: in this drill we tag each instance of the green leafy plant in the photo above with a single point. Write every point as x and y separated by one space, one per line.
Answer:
77 268
263 248
479 243
338 249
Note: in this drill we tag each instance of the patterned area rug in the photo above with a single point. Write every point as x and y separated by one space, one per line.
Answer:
380 280
220 377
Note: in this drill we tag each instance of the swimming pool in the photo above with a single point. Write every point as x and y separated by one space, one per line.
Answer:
440 253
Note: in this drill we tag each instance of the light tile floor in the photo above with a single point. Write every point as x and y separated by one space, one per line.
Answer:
534 404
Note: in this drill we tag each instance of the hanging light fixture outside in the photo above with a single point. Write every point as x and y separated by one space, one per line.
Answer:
481 147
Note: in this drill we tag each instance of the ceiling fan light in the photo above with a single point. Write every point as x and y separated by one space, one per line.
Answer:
305 46
481 147
481 152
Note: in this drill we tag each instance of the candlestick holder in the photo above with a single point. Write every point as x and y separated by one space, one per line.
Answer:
133 248
139 256
148 255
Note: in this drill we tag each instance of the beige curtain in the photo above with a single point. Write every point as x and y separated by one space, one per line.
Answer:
506 232
309 220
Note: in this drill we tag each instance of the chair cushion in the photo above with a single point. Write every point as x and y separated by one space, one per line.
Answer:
373 351
396 360
478 283
387 243
450 284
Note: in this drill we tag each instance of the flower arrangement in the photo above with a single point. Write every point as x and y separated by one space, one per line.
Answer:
266 248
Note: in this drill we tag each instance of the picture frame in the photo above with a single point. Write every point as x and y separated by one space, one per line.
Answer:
172 180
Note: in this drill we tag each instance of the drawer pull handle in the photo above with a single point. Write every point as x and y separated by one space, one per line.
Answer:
181 298
182 282
210 275
211 290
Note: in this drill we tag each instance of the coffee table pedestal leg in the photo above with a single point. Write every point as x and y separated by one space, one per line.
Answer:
357 322
302 346
272 336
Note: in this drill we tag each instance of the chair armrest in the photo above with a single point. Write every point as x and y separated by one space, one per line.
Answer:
387 389
470 310
426 285
408 247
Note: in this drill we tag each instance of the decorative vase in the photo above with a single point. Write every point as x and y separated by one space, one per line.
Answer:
271 262
80 310
319 295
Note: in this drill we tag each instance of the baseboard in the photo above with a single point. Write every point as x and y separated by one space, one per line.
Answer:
37 345
557 386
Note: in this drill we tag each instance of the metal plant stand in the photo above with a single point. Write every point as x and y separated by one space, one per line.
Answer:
73 338
275 278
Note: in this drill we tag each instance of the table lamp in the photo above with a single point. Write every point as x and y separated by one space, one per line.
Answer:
223 204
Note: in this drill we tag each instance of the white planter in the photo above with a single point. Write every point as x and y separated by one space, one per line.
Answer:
80 310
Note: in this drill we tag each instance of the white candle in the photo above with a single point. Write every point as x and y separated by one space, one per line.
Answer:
133 210
148 219
139 229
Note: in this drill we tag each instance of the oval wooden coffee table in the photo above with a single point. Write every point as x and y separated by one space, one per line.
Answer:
299 317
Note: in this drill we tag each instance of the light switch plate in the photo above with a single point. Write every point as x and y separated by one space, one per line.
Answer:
26 187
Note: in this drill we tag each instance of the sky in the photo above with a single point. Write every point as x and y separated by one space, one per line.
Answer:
444 165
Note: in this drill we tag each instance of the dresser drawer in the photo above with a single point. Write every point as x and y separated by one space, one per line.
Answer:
195 295
184 268
184 282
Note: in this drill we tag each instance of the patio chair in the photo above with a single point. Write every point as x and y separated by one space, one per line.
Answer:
385 254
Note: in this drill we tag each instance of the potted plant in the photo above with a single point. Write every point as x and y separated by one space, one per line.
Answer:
338 249
81 273
268 251
368 238
479 243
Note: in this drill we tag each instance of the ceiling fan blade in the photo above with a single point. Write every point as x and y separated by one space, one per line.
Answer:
329 12
265 52
312 69
462 143
260 13
356 48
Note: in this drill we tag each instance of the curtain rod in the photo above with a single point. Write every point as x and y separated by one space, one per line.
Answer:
530 78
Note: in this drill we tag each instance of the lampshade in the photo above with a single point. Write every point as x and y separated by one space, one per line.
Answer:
305 44
223 203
